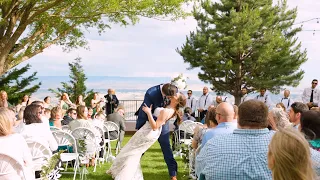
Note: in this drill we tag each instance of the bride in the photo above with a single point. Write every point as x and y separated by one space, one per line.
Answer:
127 163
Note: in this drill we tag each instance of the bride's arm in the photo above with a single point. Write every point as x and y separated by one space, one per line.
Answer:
160 120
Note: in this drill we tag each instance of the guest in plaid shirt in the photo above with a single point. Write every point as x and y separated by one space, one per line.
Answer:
242 154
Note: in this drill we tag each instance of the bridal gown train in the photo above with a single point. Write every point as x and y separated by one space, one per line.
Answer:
126 166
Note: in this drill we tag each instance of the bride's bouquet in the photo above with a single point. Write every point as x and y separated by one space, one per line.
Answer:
180 81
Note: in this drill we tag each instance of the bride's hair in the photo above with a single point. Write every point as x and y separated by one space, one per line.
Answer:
182 101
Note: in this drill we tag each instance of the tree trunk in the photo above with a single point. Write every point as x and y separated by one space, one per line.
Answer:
3 58
237 99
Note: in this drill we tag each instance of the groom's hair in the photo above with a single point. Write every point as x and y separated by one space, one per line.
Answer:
169 89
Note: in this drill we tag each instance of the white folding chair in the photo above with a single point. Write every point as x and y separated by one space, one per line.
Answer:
40 154
101 148
66 139
113 127
184 127
107 153
92 146
66 128
10 168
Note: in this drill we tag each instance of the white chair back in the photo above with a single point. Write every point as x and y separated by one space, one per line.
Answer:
10 168
100 130
40 153
82 133
111 127
65 128
65 139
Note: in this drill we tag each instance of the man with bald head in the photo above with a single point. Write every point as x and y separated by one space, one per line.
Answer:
286 100
226 124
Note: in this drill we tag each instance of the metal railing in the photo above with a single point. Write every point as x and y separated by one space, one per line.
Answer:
131 107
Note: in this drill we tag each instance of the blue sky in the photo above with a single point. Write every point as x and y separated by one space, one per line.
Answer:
148 49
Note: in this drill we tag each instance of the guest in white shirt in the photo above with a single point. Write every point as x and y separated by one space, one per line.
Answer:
34 130
99 119
47 102
204 102
263 97
191 102
44 119
244 93
15 146
311 96
25 101
286 100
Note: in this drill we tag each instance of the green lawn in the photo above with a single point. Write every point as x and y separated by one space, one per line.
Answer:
152 163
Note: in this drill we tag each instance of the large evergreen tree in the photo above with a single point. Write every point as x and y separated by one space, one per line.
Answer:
17 85
76 85
245 43
27 27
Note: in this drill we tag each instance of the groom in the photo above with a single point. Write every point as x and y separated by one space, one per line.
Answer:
159 96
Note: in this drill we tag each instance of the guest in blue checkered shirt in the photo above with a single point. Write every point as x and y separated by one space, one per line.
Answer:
242 154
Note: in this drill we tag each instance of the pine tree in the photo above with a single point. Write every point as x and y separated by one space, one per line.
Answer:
76 86
245 43
17 86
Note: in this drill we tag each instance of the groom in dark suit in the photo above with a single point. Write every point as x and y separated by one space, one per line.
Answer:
159 96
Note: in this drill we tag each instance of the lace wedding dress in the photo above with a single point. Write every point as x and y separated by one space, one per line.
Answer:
126 166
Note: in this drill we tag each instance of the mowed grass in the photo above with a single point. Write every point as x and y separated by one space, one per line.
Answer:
152 163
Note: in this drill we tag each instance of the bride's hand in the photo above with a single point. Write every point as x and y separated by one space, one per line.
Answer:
147 109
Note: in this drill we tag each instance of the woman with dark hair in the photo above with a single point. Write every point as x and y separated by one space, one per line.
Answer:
47 102
310 126
35 129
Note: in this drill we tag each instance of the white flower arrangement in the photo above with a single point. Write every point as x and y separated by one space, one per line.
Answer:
180 81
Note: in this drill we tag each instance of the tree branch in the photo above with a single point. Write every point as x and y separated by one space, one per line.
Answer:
44 9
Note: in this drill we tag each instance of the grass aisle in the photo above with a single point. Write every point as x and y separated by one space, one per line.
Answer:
152 163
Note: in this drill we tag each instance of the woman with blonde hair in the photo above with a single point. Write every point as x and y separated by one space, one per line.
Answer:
56 117
4 99
278 119
14 145
289 156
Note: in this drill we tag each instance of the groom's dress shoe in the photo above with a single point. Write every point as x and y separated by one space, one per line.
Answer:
173 177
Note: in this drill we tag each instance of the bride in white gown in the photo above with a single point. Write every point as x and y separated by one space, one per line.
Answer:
126 166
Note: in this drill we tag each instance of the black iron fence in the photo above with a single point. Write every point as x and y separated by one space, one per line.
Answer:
131 107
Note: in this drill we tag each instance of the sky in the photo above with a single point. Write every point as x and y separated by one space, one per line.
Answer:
148 49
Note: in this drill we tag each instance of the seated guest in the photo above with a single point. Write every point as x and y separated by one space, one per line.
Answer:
281 105
47 113
90 113
289 156
47 102
15 146
203 121
310 126
80 101
56 116
226 124
278 119
25 101
44 119
118 118
187 114
296 109
199 131
71 115
243 153
99 119
34 130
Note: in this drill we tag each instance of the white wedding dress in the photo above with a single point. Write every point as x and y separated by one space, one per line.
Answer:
126 166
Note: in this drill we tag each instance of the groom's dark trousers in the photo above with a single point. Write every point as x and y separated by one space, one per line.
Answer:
154 96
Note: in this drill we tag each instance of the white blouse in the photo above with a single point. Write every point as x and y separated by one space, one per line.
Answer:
38 132
15 146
